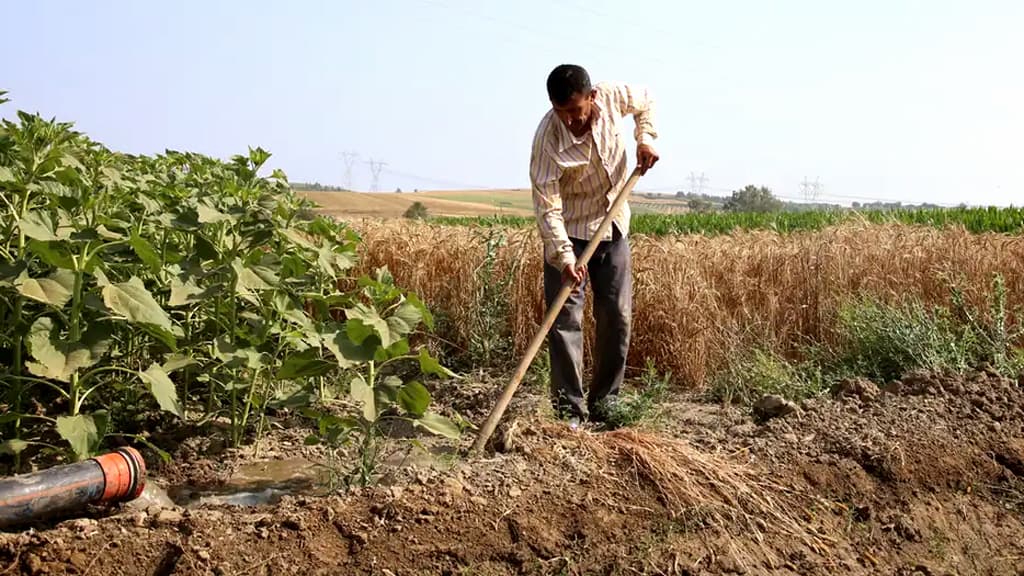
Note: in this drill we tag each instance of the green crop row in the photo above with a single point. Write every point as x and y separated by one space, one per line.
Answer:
137 291
989 219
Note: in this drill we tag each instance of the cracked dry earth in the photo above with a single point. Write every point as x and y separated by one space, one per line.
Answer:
920 476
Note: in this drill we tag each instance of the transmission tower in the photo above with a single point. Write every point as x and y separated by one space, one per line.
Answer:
350 160
375 168
697 183
810 190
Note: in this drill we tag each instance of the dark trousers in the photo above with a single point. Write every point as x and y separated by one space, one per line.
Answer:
610 277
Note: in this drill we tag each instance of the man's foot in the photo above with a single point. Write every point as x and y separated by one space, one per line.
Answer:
603 411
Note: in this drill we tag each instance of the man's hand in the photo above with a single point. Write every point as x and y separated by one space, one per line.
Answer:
645 157
574 274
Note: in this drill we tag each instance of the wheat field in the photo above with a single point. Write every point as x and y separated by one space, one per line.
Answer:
697 299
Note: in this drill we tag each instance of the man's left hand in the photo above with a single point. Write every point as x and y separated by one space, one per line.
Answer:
645 157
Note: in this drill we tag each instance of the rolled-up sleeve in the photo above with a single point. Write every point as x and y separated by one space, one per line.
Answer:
637 100
547 202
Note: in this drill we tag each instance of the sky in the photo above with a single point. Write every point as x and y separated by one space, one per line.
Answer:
913 101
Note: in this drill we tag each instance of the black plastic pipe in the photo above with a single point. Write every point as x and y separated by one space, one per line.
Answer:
114 477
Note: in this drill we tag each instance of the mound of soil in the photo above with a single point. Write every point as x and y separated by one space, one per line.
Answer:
920 476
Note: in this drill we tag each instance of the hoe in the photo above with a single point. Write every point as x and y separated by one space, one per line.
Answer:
549 319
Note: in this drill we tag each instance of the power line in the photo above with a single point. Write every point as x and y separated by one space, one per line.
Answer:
350 160
810 190
375 168
697 184
441 182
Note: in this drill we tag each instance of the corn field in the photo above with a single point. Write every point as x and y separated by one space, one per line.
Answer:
987 219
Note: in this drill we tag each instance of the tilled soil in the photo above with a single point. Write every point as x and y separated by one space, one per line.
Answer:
920 476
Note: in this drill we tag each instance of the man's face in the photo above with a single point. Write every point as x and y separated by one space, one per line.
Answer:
575 114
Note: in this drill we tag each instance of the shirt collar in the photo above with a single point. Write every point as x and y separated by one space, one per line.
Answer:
566 139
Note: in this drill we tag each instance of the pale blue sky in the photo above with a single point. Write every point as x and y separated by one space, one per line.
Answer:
915 101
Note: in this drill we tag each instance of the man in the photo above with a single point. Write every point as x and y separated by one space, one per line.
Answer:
577 167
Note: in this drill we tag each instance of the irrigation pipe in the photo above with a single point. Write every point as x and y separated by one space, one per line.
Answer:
506 396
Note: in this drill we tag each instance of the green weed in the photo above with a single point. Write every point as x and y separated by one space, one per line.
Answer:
641 405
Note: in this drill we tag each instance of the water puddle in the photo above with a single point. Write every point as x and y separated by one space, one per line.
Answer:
256 484
266 482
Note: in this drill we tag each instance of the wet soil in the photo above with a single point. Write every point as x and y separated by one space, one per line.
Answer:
920 476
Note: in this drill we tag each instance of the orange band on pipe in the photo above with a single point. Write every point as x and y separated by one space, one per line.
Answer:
139 467
118 476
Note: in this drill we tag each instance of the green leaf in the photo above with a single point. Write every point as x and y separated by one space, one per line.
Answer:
133 302
414 398
182 294
38 225
293 397
234 357
176 362
58 359
208 215
80 432
298 238
11 273
288 308
55 290
404 320
53 253
252 278
437 424
428 318
105 232
386 391
13 446
430 365
363 320
101 278
347 353
363 394
400 348
305 364
161 387
6 175
145 251
161 334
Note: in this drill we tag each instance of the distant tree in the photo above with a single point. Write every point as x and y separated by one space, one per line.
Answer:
398 190
753 199
416 211
700 205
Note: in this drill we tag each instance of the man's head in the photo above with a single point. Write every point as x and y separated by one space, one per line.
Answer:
571 95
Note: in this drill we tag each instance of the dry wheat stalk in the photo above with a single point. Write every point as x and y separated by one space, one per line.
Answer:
697 298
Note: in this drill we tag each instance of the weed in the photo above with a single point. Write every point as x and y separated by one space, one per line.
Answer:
642 405
490 343
759 372
883 341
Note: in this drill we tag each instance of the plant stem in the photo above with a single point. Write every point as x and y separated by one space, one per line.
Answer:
73 399
248 400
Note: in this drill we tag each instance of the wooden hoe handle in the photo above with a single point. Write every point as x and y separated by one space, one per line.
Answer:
549 319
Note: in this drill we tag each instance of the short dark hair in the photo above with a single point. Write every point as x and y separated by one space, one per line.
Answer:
566 80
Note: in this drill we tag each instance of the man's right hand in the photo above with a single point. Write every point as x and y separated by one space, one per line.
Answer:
574 274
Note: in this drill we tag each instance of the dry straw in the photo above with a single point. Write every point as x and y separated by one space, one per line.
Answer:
702 491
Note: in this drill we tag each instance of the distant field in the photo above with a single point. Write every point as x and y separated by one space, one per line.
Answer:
1004 220
457 203
454 203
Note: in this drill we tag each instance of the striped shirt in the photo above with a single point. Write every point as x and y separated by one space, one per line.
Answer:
575 180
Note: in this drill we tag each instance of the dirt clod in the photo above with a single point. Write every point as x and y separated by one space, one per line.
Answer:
860 388
773 406
168 517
